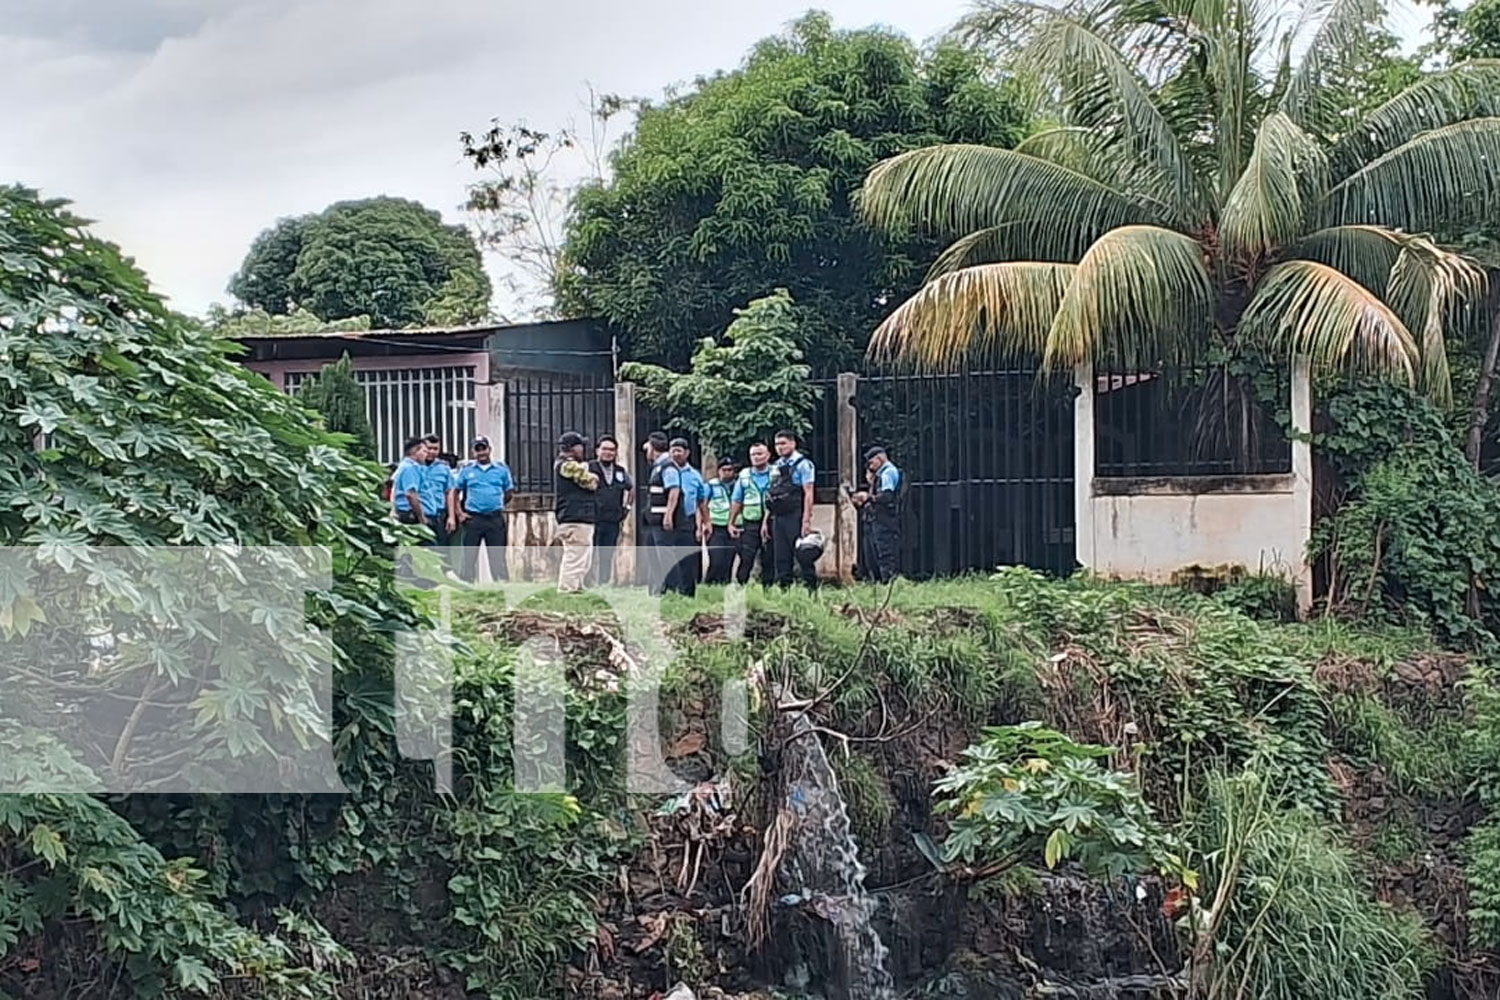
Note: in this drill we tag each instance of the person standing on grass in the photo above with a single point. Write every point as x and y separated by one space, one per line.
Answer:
791 503
616 489
575 507
880 517
658 502
437 481
406 483
483 487
721 544
748 524
682 522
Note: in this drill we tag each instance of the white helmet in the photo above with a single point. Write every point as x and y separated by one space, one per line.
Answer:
810 545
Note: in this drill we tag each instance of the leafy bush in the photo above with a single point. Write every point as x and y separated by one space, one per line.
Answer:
743 390
337 395
1026 791
1418 536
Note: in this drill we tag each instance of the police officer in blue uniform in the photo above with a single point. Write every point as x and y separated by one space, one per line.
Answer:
682 524
481 489
791 503
879 517
653 515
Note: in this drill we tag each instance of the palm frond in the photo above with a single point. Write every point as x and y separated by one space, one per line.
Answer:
954 190
1011 242
1331 36
1307 308
1005 309
1365 253
1446 97
1141 296
1426 284
1101 90
1267 208
1448 175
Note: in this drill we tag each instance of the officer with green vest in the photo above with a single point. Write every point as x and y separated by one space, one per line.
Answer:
721 543
748 524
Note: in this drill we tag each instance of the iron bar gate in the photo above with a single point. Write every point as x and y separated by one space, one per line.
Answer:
405 402
988 458
539 409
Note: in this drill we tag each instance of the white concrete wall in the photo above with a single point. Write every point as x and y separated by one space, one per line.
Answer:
1149 529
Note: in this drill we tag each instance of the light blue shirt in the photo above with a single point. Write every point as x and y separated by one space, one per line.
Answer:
484 487
408 479
801 467
888 479
437 480
694 488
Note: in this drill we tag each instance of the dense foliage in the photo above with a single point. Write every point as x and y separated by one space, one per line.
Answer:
1027 792
337 395
150 435
743 184
1189 201
386 258
744 390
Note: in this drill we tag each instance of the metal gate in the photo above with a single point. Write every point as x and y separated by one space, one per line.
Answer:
539 409
404 402
988 458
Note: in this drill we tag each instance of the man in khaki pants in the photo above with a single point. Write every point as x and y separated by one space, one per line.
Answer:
574 488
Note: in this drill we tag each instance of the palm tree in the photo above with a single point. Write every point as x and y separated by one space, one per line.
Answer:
1204 190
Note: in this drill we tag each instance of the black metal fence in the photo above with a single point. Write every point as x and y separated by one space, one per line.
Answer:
539 409
1201 422
988 458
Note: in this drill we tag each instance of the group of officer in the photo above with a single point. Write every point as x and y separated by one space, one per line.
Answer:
464 503
760 513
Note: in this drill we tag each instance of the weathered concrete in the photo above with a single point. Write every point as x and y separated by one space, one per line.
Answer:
1149 529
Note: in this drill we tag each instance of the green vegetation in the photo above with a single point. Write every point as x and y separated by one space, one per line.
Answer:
387 259
743 390
340 400
1219 212
744 184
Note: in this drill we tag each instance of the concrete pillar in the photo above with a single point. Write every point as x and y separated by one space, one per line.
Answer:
1083 465
631 458
1302 476
845 517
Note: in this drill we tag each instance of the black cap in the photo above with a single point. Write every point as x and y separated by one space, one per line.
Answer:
872 451
481 442
572 439
680 443
726 463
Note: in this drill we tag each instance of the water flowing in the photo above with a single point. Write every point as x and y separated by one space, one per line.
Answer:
821 870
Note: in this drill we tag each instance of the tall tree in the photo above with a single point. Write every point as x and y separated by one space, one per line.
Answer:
386 258
743 185
1188 201
337 395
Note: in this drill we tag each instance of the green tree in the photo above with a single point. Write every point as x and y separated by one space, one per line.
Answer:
258 323
743 185
743 390
386 258
337 395
130 429
1215 210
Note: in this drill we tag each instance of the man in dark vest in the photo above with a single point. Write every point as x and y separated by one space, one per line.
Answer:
657 461
616 489
575 506
791 504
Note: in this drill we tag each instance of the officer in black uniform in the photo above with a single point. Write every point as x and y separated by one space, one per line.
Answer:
879 517
611 504
655 509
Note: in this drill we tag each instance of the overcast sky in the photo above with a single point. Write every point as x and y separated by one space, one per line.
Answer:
186 126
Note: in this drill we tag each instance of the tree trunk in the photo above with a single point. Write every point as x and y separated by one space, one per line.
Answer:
1481 415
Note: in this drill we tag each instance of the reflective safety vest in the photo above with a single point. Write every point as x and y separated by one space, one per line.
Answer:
754 506
656 495
719 495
